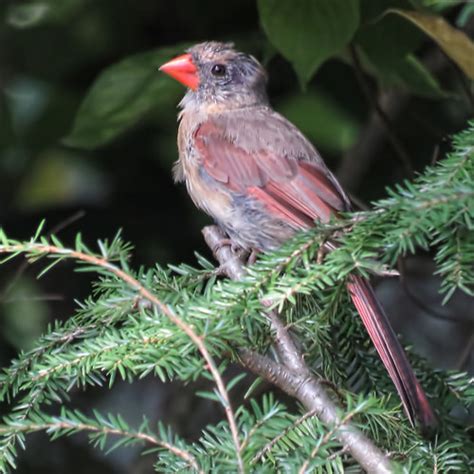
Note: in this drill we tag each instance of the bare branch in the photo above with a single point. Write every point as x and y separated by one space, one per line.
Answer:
311 393
268 447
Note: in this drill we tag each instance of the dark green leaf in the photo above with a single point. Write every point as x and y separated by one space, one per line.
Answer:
386 40
322 119
308 32
121 96
418 79
410 74
455 43
387 44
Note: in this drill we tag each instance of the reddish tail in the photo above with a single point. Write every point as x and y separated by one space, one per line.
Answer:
393 357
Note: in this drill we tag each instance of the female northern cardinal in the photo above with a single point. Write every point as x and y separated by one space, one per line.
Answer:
262 180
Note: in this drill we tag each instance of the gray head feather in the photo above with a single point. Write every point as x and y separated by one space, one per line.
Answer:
226 76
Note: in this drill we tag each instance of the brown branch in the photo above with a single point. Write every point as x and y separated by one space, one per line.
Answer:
325 439
292 375
311 393
146 294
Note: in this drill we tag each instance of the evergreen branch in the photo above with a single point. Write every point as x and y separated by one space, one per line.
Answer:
25 409
327 437
310 392
296 379
435 210
81 327
73 422
114 352
36 250
455 258
261 420
268 447
12 378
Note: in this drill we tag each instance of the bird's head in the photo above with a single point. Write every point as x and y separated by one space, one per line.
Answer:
217 73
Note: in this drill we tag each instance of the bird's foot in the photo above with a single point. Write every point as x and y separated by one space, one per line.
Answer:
226 242
248 257
252 258
320 255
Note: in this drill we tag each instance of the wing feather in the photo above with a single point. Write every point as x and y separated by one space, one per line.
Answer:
298 189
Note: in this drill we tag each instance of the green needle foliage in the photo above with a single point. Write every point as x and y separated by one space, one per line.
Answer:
120 332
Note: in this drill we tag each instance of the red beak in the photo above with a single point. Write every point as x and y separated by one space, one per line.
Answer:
183 70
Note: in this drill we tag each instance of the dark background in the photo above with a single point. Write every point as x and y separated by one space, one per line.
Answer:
46 70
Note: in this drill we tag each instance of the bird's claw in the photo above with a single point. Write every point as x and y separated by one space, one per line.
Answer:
226 242
320 255
252 258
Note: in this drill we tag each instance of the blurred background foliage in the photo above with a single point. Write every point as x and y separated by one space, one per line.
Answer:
87 141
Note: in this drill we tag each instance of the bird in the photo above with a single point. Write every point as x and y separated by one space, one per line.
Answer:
262 181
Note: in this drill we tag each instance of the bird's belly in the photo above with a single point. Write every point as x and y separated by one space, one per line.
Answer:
252 227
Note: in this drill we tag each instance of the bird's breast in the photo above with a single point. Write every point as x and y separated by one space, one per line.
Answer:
205 194
204 191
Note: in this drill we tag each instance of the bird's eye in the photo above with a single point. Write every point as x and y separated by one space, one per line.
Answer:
218 70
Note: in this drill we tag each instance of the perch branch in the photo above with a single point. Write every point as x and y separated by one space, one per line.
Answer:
293 376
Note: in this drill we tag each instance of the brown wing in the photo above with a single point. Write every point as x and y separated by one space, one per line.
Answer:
293 187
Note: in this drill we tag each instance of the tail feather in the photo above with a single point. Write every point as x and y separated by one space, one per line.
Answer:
393 356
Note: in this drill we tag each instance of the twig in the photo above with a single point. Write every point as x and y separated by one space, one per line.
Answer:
324 441
293 376
61 225
146 294
65 425
24 265
33 298
397 145
268 447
